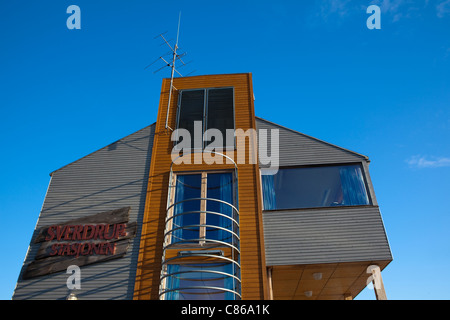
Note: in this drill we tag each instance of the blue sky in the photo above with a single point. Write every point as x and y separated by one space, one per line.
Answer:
316 68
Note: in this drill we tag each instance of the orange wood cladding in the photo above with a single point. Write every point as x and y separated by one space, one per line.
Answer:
253 268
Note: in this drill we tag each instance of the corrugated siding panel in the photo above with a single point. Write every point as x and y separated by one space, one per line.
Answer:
110 178
327 235
297 149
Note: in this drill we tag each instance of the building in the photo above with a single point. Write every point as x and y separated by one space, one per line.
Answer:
156 215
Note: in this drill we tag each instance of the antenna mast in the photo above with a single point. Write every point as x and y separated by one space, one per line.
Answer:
173 70
175 56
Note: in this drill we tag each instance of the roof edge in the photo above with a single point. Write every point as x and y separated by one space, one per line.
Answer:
213 75
310 137
51 173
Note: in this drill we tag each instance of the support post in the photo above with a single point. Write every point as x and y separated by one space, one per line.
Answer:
269 279
377 281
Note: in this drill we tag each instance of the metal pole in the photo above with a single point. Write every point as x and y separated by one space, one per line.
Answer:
173 70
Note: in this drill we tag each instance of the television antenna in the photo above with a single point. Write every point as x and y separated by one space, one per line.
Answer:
171 64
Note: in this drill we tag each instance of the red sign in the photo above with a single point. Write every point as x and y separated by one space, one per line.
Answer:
84 232
82 241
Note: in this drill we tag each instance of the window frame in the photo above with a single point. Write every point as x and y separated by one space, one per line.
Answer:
205 118
203 202
364 174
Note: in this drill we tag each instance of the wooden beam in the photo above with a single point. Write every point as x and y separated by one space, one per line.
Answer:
269 280
377 281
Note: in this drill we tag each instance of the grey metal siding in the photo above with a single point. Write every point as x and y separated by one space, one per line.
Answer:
297 149
113 177
321 235
326 235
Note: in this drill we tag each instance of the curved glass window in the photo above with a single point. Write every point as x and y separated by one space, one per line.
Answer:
311 187
203 208
201 258
202 281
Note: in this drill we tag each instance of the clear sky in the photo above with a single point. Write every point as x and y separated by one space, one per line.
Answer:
316 67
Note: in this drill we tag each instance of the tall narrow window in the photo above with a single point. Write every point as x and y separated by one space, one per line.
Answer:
220 113
191 109
220 187
187 194
213 108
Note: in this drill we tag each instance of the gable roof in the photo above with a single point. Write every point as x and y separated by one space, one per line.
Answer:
296 148
127 140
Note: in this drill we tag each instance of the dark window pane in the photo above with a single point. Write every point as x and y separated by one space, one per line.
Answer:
187 187
314 187
191 109
220 114
219 186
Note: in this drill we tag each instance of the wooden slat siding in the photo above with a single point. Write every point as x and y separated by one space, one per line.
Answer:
108 179
253 271
325 235
257 191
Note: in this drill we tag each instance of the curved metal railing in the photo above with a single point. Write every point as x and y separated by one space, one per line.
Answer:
230 240
202 278
171 228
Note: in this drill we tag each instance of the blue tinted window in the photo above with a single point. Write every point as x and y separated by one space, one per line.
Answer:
210 218
312 187
202 281
185 224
